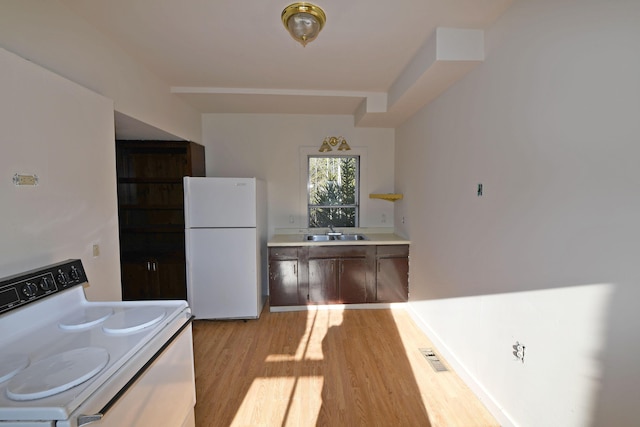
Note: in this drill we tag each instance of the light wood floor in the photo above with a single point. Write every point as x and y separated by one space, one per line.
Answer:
325 368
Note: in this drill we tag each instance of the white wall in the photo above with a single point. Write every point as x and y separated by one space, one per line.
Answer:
51 35
549 123
63 133
270 147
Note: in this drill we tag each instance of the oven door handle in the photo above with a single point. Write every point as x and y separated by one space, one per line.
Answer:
83 420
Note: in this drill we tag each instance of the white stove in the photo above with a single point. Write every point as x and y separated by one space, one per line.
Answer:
67 362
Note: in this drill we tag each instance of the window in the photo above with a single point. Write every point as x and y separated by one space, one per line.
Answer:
333 191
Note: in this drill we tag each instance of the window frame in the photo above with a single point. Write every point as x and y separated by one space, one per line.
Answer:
356 206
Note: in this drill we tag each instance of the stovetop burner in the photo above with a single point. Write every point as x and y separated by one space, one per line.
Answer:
85 318
11 364
133 320
57 373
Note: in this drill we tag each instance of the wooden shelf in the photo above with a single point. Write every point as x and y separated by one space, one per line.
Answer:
155 229
141 207
151 215
163 180
392 197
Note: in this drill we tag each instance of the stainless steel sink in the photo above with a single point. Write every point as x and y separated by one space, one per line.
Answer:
340 237
351 237
317 237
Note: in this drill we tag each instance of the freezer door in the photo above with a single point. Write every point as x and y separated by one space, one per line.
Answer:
223 273
220 202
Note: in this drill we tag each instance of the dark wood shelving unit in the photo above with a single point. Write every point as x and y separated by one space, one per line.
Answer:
151 215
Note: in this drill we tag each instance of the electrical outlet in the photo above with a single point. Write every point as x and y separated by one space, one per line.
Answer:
96 250
518 351
21 179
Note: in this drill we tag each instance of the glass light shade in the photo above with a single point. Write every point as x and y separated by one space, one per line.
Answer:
344 146
325 147
303 21
304 27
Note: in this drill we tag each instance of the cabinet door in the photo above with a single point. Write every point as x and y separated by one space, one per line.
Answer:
169 280
392 280
353 280
135 281
152 280
323 281
283 282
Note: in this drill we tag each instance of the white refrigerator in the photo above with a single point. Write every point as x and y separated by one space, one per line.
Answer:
226 247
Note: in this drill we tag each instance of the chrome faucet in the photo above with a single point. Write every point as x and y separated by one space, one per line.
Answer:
333 232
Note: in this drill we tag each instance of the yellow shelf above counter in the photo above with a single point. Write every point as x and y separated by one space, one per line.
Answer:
392 197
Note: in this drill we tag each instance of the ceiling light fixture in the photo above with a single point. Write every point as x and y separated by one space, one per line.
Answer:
303 21
332 141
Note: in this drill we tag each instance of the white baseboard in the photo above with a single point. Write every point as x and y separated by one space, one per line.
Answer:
314 307
478 389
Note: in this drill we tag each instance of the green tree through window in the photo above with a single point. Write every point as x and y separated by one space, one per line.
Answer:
333 191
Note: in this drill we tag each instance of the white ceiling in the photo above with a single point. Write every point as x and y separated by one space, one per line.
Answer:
236 56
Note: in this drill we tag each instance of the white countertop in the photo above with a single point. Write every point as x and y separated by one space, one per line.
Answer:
375 238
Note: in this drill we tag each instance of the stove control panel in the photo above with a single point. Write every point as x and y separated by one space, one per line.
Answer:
33 285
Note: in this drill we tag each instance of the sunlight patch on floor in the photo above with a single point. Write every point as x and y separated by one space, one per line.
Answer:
292 398
293 390
412 340
251 415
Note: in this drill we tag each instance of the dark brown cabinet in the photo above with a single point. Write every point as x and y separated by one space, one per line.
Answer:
151 215
323 281
353 276
283 276
335 274
392 273
340 274
155 279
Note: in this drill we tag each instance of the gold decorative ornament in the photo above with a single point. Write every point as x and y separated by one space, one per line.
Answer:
332 141
303 21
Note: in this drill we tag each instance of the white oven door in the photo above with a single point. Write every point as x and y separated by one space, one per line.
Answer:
163 395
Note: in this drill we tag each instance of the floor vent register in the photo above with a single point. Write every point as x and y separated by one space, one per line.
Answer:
433 359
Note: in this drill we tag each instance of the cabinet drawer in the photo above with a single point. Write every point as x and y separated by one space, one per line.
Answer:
283 253
339 251
392 251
